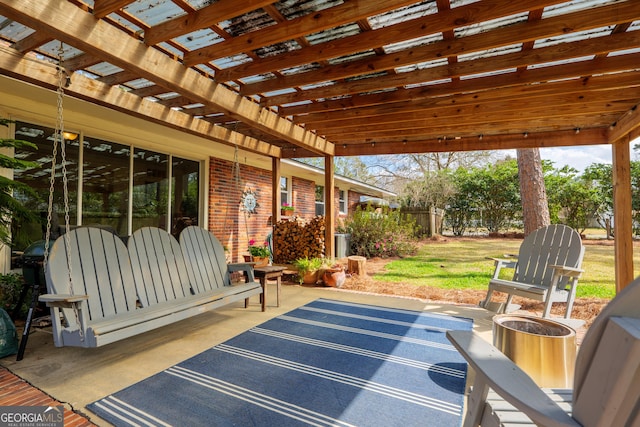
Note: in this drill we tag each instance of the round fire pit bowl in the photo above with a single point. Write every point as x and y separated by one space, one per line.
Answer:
543 348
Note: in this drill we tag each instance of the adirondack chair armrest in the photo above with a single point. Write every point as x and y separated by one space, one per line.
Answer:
245 267
63 300
500 263
567 271
496 371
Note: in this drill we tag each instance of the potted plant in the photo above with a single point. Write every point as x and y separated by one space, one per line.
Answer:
286 209
308 269
258 253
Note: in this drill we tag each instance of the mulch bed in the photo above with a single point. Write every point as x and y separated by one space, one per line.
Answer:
584 308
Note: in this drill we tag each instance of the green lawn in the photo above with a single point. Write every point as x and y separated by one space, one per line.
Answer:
463 264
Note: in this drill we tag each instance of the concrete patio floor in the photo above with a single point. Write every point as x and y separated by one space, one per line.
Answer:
78 376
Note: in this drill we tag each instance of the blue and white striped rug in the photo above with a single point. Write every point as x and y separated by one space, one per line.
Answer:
328 363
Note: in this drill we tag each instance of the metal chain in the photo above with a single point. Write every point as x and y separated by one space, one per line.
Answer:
59 136
236 178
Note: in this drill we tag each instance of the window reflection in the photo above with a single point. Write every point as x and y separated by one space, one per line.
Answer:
105 188
106 183
150 189
38 178
185 201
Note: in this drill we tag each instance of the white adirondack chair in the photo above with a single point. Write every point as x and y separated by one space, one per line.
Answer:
547 269
606 390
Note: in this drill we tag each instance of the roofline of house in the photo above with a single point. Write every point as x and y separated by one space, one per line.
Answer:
353 183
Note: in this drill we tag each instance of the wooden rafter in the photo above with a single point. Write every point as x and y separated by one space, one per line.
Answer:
478 43
31 70
324 19
577 88
102 8
471 143
77 28
202 18
429 24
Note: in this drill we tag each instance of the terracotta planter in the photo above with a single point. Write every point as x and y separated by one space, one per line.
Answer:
259 261
310 278
334 277
286 212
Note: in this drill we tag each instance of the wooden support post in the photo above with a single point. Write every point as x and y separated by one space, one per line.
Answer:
357 265
622 224
329 207
276 201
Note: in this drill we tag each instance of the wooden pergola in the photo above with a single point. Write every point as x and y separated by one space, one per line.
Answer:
289 79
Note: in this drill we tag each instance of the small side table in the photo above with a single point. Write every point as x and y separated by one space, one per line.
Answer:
263 274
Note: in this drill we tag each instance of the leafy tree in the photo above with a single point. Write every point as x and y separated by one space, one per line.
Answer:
12 210
461 208
397 171
601 177
495 191
574 196
350 167
433 189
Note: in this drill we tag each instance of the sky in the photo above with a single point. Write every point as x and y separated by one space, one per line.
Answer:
581 157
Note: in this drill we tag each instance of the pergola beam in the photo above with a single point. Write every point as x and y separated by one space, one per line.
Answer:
202 18
44 75
629 122
78 28
585 137
410 99
493 111
536 75
468 45
345 13
430 24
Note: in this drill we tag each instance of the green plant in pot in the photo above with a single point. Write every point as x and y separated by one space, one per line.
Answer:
286 209
259 253
308 269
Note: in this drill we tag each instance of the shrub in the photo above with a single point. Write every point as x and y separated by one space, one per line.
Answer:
10 287
380 232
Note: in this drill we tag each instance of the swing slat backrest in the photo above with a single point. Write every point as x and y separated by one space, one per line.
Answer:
204 256
158 266
100 268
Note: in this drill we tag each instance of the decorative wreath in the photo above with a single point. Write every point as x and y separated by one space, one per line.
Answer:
249 202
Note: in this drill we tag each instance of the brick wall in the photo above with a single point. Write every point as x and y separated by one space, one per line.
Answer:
233 226
304 197
353 201
227 219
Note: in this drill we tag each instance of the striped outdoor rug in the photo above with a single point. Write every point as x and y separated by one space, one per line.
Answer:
328 363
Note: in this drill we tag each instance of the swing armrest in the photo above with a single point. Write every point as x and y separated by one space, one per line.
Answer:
62 300
245 267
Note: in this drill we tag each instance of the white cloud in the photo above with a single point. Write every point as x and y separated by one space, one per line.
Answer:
577 157
582 156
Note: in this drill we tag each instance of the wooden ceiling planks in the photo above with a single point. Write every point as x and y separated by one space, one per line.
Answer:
374 80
